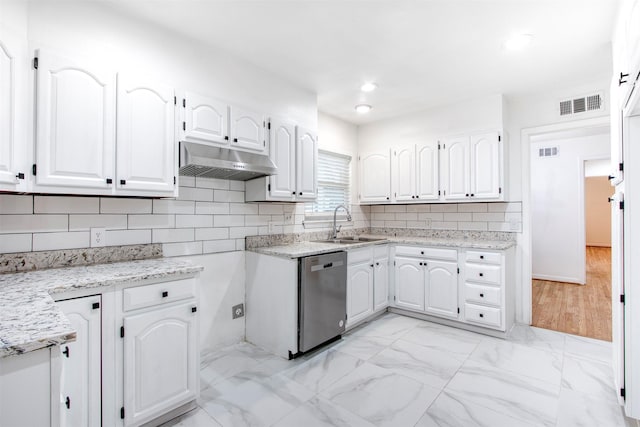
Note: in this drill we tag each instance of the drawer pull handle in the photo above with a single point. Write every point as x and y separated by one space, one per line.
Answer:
481 256
481 274
194 309
481 315
481 295
165 294
421 252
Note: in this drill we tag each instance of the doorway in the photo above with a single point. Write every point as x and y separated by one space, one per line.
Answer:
571 232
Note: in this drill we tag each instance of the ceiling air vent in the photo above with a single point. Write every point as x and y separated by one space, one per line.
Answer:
548 152
581 104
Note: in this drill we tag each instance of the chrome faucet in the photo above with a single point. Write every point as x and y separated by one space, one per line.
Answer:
336 228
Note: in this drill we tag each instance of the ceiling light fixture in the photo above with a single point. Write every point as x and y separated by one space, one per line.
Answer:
518 41
368 87
363 108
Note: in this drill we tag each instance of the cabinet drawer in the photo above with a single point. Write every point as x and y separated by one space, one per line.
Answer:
356 256
159 293
380 251
484 273
489 316
484 257
431 253
482 294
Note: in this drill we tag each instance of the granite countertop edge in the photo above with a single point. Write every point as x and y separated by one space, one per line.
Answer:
304 249
31 320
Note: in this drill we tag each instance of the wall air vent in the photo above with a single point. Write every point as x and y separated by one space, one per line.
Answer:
581 104
548 152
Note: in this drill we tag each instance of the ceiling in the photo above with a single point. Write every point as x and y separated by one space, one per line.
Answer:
420 53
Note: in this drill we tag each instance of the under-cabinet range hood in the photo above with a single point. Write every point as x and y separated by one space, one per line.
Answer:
215 162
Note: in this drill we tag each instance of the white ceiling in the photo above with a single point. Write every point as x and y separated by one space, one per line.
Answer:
421 53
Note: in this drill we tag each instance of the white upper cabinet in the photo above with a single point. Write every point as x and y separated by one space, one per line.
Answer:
75 126
404 173
485 169
454 168
441 288
145 137
427 185
375 177
306 164
247 129
205 119
282 151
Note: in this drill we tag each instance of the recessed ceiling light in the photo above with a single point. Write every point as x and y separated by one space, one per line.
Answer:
363 108
368 87
518 41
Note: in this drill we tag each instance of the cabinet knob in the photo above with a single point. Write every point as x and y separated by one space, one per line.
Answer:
165 294
622 79
293 192
481 315
300 193
387 198
481 274
235 139
67 402
123 181
20 175
481 295
413 197
420 263
371 265
66 351
109 181
226 138
481 256
417 197
194 309
472 194
421 252
377 263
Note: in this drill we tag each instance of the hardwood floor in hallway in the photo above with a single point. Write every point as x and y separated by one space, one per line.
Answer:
576 309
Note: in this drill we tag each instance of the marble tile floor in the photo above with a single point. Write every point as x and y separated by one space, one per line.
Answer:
399 371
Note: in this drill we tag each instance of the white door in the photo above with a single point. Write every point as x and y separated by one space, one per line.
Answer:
441 297
75 126
247 129
306 165
359 292
454 168
205 119
282 151
427 184
409 275
486 166
159 362
8 143
145 139
404 173
375 182
380 283
617 289
80 360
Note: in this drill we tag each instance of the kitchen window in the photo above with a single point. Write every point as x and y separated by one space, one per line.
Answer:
334 171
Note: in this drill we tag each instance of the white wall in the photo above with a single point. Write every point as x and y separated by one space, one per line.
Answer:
341 137
557 203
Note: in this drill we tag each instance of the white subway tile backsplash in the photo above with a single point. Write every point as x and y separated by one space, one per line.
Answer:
431 216
152 221
171 235
243 209
396 224
240 244
377 209
214 183
416 224
437 225
66 205
197 194
212 208
409 216
472 207
212 233
480 226
395 208
12 243
383 216
118 205
167 206
418 208
236 185
213 246
259 219
513 216
228 196
86 222
15 204
127 237
186 181
270 209
505 207
181 249
490 216
457 216
228 221
186 221
444 208
242 232
56 241
33 223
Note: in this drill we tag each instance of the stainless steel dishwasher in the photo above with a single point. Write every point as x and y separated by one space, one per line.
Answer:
323 299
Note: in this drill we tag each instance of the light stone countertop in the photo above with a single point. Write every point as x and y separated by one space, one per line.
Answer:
303 249
30 319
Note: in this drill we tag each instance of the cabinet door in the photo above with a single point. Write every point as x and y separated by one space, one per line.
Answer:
442 288
247 130
380 284
427 184
486 166
205 119
160 371
282 151
146 144
375 183
404 173
409 283
454 168
359 292
80 380
306 165
8 87
75 125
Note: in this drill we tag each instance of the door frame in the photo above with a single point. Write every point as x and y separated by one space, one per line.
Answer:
524 300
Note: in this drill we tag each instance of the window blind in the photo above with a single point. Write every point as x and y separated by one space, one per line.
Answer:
334 171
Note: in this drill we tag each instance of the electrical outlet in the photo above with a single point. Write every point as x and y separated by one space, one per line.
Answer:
288 218
98 237
237 311
427 223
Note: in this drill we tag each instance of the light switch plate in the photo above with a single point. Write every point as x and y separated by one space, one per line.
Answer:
98 237
237 311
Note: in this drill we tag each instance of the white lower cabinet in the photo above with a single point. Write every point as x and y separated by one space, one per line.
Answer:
367 282
409 283
485 277
441 288
81 364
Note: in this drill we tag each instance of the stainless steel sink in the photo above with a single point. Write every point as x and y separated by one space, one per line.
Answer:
352 240
343 241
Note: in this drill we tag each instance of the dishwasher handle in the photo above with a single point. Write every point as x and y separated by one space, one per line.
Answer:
327 266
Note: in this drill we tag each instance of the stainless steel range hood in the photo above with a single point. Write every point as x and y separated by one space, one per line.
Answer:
215 162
